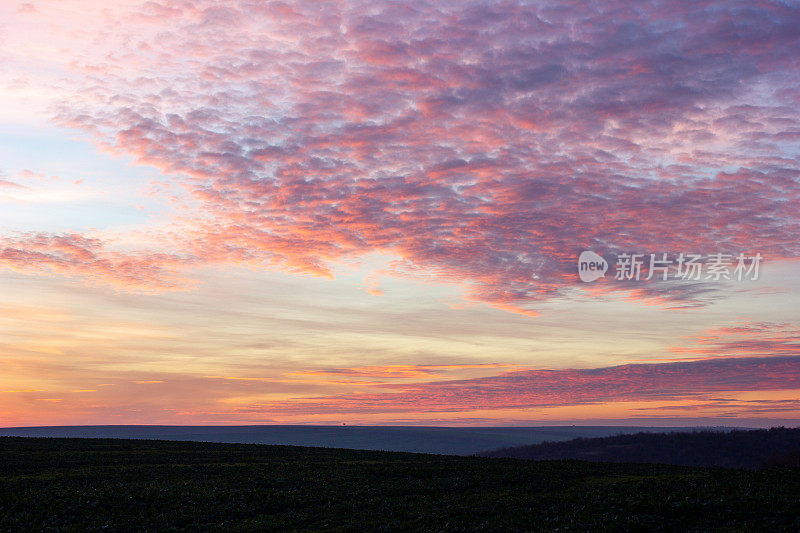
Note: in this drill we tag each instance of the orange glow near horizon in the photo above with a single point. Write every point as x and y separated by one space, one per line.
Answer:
334 212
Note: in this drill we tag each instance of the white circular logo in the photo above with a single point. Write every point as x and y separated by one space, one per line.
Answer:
591 266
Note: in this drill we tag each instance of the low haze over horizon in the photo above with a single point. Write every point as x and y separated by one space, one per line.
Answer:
437 213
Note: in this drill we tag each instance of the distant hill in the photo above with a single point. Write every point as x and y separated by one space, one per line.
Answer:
731 449
441 440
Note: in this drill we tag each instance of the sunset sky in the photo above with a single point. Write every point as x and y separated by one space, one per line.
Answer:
371 212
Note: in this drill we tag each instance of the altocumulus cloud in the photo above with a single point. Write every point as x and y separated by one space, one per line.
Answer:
483 143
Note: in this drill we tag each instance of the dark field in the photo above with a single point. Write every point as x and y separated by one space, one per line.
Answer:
126 485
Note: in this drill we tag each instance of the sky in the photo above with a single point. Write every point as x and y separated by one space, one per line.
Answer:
372 212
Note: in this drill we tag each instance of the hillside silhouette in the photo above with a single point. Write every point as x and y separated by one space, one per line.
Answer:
60 484
775 447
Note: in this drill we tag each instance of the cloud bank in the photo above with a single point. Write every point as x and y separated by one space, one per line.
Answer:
480 143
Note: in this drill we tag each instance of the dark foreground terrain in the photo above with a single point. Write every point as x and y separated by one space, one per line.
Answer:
756 448
127 485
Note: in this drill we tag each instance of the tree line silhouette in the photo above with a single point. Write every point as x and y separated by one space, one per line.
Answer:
762 448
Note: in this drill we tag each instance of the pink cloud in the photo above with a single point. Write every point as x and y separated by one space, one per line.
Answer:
748 339
674 381
482 144
74 254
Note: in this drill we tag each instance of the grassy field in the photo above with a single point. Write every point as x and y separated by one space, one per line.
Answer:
125 485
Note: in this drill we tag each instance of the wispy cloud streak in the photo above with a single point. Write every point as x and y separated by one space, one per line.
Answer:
693 380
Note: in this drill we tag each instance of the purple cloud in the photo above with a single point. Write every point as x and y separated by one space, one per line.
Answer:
481 143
